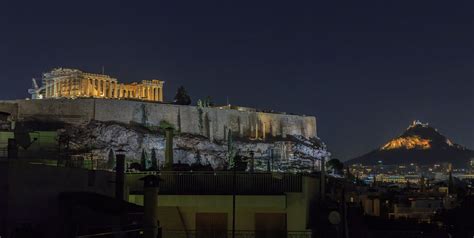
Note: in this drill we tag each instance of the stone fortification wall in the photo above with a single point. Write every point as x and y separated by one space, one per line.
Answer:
65 110
213 123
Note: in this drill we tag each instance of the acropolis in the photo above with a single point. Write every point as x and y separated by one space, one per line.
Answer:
74 83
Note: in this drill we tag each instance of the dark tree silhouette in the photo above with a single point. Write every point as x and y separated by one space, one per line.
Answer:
144 161
182 97
111 160
154 160
336 166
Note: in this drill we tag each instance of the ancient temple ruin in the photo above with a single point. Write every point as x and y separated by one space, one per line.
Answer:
73 83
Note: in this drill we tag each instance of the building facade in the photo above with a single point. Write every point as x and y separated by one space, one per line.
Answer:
73 83
200 204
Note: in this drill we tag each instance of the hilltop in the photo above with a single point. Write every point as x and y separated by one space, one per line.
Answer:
421 144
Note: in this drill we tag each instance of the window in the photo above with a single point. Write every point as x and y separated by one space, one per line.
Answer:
270 225
211 225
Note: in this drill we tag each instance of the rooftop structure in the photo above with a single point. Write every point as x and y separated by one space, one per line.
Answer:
73 83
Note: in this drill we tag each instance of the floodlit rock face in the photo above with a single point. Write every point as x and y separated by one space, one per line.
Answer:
293 153
409 142
421 144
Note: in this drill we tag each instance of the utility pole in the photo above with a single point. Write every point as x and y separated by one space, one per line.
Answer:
120 175
151 185
231 158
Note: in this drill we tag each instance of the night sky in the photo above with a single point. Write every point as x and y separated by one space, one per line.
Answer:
365 69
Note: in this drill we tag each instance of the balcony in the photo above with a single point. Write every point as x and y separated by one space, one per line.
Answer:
219 183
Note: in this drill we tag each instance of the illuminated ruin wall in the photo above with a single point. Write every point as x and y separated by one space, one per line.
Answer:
212 123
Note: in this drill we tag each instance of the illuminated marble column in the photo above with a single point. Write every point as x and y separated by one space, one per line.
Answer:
83 86
119 91
69 87
58 83
55 88
54 93
47 90
161 94
88 88
116 90
102 88
97 87
107 89
64 87
92 89
112 89
51 84
60 88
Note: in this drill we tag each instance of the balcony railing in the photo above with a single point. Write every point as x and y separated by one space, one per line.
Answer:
208 234
238 234
219 183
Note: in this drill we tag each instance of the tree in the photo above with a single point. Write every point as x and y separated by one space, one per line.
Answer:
336 166
154 160
209 101
111 160
144 161
182 97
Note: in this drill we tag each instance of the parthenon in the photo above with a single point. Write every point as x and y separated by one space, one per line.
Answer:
73 83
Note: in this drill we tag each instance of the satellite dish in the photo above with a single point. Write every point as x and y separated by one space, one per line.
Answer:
334 217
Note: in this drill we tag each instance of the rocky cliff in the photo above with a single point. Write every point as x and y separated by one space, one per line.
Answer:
293 153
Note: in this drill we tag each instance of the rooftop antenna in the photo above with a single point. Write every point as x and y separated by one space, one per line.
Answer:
103 69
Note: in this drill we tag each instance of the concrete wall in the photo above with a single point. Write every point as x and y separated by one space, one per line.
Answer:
213 123
29 193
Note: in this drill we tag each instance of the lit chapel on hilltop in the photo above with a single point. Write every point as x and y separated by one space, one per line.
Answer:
73 83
